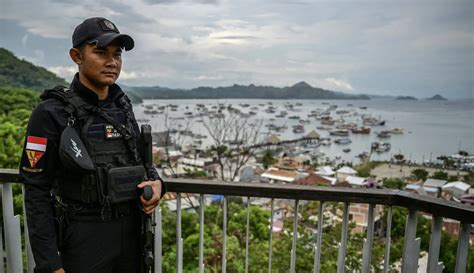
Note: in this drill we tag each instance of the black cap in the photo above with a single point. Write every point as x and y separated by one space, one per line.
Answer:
100 31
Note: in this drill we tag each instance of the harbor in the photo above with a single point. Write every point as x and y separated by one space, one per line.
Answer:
346 129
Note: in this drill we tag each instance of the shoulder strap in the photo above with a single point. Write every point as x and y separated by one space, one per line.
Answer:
74 103
124 103
54 93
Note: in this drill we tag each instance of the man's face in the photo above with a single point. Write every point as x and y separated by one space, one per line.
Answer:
101 66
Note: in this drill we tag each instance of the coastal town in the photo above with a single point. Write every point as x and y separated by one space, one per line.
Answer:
243 156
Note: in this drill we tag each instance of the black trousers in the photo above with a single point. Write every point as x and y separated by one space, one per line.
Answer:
103 247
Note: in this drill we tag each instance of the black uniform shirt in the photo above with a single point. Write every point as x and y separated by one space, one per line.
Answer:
39 165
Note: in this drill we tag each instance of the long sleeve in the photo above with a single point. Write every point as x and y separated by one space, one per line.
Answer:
37 170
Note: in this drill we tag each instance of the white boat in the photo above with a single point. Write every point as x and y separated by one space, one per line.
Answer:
397 131
325 141
381 147
343 141
384 134
324 127
340 132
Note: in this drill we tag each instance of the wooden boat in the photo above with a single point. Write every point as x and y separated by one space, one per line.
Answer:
361 130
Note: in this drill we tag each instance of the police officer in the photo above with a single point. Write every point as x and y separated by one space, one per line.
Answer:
83 153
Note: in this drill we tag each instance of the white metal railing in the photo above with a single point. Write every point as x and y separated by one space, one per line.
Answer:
436 207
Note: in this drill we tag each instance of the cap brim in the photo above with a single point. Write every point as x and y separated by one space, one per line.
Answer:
105 39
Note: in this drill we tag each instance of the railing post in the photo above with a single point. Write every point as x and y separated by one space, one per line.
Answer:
224 237
12 231
317 250
463 248
434 266
367 252
30 261
158 241
270 245
2 265
387 241
411 247
201 233
341 257
295 236
179 240
247 237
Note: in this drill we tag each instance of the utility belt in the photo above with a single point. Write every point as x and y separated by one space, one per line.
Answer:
67 211
74 211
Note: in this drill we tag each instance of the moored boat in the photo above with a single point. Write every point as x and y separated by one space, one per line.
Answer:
361 130
397 131
384 134
340 132
343 141
383 147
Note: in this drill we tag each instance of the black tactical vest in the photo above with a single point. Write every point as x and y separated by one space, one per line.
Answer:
108 135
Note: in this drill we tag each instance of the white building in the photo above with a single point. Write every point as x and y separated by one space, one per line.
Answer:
344 172
326 171
274 175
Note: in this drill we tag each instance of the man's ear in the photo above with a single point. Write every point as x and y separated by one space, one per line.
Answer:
76 55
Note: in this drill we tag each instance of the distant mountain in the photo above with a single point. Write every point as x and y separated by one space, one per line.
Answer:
133 97
437 97
381 97
406 98
21 73
301 90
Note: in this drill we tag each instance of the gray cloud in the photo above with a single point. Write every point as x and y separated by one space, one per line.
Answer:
235 37
413 47
158 2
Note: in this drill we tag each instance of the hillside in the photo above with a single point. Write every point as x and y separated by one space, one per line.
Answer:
300 90
406 98
437 97
21 73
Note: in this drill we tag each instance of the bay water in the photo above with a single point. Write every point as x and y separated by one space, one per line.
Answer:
431 128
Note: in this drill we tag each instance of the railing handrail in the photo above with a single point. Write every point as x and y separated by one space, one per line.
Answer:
432 205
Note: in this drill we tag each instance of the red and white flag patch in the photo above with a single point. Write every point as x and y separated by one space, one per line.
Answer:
35 149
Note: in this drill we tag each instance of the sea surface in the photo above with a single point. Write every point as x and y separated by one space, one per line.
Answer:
431 128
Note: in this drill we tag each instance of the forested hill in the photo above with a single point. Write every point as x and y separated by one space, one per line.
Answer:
21 73
300 90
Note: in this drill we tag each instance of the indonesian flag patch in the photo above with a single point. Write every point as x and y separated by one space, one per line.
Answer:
35 149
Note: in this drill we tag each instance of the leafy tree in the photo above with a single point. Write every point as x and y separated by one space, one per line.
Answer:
420 174
440 175
15 109
453 178
364 169
194 173
469 177
268 159
11 136
393 183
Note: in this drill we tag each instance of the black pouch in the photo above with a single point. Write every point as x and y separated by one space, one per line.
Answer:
122 183
73 153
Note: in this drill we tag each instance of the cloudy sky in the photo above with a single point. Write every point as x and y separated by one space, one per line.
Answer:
418 48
